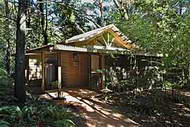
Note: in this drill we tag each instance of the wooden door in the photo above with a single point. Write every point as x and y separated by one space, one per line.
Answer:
51 71
95 74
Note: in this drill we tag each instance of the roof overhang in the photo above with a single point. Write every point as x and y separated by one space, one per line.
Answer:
87 49
91 49
40 49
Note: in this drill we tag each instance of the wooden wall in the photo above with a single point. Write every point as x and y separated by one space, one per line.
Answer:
95 63
75 69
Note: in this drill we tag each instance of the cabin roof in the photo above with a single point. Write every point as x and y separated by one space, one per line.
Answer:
92 33
125 45
122 39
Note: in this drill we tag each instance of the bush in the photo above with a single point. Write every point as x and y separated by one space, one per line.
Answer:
5 83
4 123
120 79
39 114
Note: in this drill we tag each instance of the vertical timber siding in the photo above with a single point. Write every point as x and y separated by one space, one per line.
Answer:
74 69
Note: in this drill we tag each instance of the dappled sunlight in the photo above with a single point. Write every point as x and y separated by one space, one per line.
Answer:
99 114
158 108
117 115
96 113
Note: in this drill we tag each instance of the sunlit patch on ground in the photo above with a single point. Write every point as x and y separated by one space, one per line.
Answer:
96 113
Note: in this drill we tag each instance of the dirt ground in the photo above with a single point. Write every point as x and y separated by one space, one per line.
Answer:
154 108
144 109
96 113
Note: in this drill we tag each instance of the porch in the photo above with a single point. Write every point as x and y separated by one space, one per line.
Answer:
58 69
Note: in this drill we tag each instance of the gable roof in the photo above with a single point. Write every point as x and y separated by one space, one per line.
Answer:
122 40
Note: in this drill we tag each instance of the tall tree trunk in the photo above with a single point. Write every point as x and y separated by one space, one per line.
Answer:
7 36
46 26
43 21
100 5
180 7
187 76
123 11
20 51
28 14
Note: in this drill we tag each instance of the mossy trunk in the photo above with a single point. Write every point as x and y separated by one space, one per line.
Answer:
20 51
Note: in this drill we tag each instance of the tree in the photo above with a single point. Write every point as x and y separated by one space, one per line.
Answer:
44 20
125 8
20 50
7 36
161 27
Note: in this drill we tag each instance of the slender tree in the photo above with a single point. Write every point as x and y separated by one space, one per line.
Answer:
7 36
44 20
20 50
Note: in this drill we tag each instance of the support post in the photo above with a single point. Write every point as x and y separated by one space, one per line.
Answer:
103 74
43 72
89 70
101 61
27 69
59 77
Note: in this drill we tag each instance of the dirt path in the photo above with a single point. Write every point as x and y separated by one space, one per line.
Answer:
96 113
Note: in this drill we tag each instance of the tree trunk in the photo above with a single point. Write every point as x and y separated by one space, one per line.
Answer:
100 3
43 22
46 27
7 36
123 11
20 51
28 14
187 76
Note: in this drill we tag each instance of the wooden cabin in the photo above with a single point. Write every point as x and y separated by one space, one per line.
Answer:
74 63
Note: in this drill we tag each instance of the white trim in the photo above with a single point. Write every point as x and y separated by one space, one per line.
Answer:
69 48
92 49
100 49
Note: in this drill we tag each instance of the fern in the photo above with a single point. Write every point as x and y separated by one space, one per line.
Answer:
4 123
63 123
33 114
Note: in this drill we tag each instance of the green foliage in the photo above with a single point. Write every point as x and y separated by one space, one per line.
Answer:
4 123
133 72
11 113
63 123
3 73
162 27
35 114
136 29
117 80
54 84
168 85
5 83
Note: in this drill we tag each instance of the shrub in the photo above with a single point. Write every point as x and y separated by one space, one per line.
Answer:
4 123
40 114
5 83
120 79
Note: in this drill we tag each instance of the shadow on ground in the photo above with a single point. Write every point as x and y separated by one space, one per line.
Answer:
95 112
154 108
